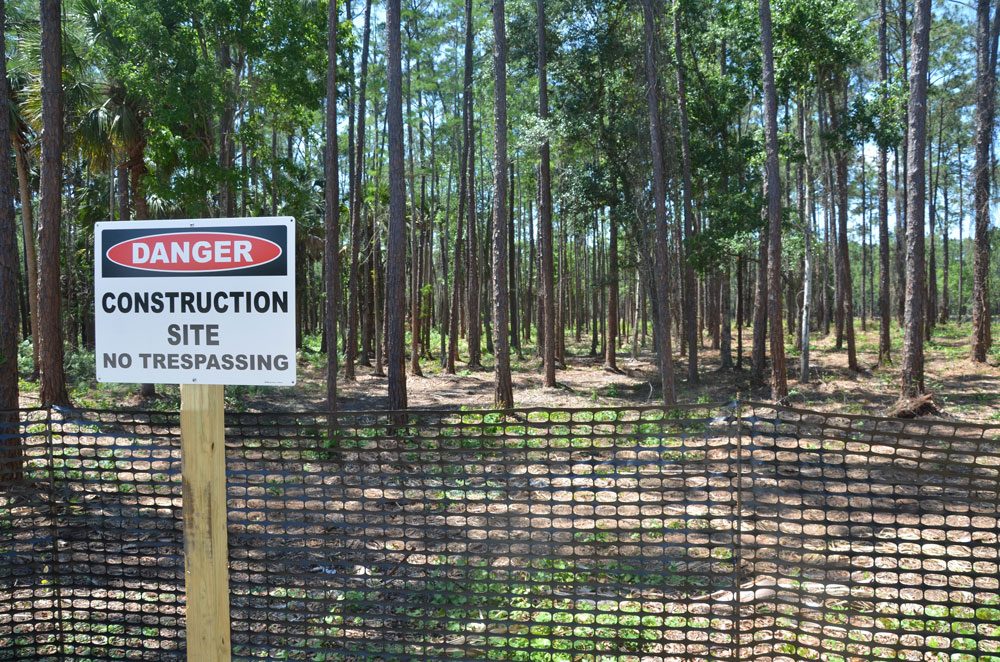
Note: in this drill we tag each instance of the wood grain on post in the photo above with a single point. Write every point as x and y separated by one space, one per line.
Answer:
206 553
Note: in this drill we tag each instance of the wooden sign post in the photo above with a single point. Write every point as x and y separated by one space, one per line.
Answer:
206 549
200 303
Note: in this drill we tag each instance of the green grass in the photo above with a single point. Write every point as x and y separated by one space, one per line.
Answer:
519 614
957 633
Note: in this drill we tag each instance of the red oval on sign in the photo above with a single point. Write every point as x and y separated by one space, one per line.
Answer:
194 252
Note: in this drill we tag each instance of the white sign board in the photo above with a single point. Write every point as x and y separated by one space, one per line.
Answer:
208 301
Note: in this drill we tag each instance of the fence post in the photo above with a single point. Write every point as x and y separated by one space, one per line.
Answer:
206 553
738 602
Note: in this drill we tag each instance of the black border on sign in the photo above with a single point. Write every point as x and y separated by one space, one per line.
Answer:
113 236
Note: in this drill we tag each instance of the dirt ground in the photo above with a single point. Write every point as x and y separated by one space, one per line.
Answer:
961 389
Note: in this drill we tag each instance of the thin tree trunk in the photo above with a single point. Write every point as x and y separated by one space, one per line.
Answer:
331 215
758 356
806 213
53 387
662 327
30 251
11 459
122 174
357 202
515 337
416 219
912 373
457 281
726 339
844 258
395 278
473 294
611 346
961 238
740 302
548 321
884 343
864 239
227 201
902 198
933 179
690 284
986 62
503 388
779 378
945 286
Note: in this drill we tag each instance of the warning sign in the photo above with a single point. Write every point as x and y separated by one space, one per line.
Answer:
208 301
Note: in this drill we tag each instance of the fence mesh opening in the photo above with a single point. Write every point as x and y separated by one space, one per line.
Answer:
736 532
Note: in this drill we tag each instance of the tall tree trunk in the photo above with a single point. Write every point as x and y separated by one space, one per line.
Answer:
227 201
902 195
945 285
53 387
595 287
11 463
662 328
726 306
446 313
843 252
912 373
331 215
611 346
530 295
457 280
503 388
986 63
758 353
961 238
933 179
740 303
779 378
473 294
30 251
357 202
515 337
726 339
825 302
884 338
864 239
807 213
690 284
548 321
395 277
416 219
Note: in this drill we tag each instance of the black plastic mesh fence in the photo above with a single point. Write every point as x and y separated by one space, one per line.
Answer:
736 532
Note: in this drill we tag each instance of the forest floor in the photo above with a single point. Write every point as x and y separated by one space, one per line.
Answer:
961 389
